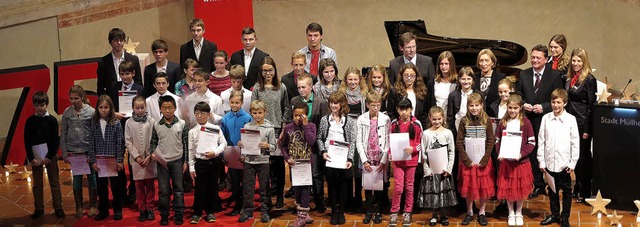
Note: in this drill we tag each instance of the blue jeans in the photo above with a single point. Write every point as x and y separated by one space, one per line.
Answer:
172 173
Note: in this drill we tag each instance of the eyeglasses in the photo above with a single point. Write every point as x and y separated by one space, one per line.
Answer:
409 76
269 71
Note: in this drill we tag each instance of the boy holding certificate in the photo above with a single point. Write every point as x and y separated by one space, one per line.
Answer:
41 142
206 143
514 141
297 140
231 124
559 150
257 165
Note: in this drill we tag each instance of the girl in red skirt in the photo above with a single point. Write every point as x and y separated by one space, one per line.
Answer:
474 143
515 179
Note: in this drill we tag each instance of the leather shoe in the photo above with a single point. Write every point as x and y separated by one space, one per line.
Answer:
550 220
564 223
536 192
367 218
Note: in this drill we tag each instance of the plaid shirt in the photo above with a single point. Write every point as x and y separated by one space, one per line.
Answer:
104 145
185 137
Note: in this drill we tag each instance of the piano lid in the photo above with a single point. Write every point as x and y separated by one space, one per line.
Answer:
465 51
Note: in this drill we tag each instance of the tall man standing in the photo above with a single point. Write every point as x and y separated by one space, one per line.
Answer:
315 50
407 44
250 57
108 66
198 48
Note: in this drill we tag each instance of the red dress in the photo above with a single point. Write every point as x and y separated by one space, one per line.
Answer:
515 180
475 182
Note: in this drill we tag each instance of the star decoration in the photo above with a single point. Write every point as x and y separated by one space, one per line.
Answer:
637 202
11 167
130 46
598 204
603 96
25 174
614 218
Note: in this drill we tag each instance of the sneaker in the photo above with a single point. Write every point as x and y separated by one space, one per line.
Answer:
101 216
482 220
92 212
367 218
164 220
265 218
117 215
233 213
467 219
178 219
59 213
512 220
210 218
377 218
195 219
519 220
37 214
393 219
244 217
143 216
150 215
406 219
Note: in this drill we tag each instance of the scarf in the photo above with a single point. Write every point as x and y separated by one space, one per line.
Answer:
574 80
354 97
142 118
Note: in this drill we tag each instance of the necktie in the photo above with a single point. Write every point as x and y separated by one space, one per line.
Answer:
537 83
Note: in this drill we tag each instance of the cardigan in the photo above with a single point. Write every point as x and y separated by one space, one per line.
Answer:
137 138
442 137
486 133
348 130
362 136
39 130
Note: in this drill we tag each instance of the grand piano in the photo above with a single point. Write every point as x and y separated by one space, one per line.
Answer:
465 51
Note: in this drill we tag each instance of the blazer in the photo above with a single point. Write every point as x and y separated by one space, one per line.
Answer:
255 69
107 72
491 94
290 83
206 54
423 62
581 99
494 109
173 71
551 80
431 92
453 107
117 86
420 112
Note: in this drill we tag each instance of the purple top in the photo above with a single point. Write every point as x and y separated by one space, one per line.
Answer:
298 141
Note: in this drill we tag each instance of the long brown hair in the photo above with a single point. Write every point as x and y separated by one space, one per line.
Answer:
564 60
340 98
386 86
419 87
482 116
514 98
275 81
452 76
111 117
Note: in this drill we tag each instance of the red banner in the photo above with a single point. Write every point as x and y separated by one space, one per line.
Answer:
224 21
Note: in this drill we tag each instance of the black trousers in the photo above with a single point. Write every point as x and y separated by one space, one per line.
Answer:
236 187
103 194
338 185
277 170
373 198
563 182
584 169
206 185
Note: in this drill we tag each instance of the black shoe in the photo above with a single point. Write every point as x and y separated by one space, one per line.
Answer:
482 220
37 214
101 216
59 213
334 218
467 219
289 193
178 219
244 217
550 220
265 217
367 218
117 215
564 222
377 218
143 216
536 192
341 219
433 221
279 202
164 220
150 215
233 213
444 220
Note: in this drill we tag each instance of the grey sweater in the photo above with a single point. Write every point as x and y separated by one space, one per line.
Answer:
268 135
75 129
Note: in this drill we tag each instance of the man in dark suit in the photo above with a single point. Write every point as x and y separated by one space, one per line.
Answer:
108 65
536 84
318 107
290 80
199 48
407 43
160 51
249 57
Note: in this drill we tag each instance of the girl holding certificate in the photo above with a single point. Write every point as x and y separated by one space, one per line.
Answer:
437 190
515 179
404 170
337 126
106 139
474 143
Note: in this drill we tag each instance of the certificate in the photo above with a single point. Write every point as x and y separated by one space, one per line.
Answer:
207 139
250 141
301 174
125 100
398 142
232 157
438 159
106 166
141 173
79 164
475 148
550 181
338 152
159 157
40 151
372 180
510 145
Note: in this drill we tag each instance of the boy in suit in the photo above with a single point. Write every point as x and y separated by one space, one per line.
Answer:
290 80
317 107
160 51
407 44
250 57
108 66
199 48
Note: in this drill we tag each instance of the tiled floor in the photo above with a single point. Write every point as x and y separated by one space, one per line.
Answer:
16 206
